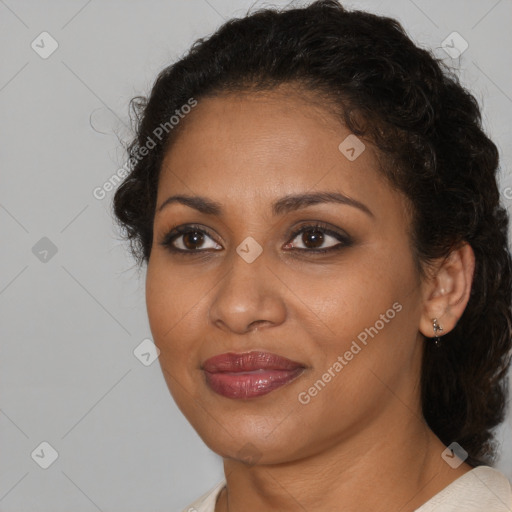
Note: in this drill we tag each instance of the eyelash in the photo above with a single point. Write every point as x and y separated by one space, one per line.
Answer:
173 234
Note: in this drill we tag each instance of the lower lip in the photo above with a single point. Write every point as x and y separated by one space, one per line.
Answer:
249 384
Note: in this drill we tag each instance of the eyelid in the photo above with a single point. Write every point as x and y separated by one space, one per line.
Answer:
322 226
175 232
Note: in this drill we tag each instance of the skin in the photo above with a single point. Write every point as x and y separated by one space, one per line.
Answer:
361 443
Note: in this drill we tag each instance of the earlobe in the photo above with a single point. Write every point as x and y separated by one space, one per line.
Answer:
447 292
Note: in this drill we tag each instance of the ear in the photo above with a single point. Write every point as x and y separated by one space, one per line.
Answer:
446 292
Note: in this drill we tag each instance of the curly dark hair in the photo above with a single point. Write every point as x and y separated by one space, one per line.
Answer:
427 128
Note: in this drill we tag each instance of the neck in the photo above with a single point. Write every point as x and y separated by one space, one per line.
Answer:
366 472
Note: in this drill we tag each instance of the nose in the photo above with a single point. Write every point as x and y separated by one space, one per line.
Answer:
249 297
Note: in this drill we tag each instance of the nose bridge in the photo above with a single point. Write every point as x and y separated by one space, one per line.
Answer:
246 279
248 292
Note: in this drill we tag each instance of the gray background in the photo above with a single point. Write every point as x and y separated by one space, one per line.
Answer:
70 323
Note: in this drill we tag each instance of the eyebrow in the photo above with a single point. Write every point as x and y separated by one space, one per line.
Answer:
284 205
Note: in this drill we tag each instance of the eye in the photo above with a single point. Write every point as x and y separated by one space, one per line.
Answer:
315 235
188 238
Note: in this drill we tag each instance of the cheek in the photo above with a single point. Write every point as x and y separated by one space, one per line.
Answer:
160 303
173 305
365 308
177 308
341 301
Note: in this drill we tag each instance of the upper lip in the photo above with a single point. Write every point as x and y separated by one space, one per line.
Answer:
249 361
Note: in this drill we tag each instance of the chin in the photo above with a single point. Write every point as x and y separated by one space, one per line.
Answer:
251 442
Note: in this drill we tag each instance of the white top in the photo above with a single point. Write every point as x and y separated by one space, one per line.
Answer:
483 489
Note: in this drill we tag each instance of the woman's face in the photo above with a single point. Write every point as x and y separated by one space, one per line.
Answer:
348 317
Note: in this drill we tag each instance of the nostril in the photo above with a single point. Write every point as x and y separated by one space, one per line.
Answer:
257 323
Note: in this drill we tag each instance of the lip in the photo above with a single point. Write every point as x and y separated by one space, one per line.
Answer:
250 374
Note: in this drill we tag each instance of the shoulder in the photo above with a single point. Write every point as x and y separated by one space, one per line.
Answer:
482 488
206 502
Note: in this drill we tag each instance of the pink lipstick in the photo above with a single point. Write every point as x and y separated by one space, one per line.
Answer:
250 374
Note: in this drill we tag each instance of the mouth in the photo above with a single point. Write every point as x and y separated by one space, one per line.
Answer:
248 375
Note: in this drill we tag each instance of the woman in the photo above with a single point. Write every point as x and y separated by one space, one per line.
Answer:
328 276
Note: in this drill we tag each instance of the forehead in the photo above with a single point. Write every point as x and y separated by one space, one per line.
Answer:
282 119
255 146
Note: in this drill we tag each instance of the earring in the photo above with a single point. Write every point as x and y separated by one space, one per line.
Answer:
437 328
